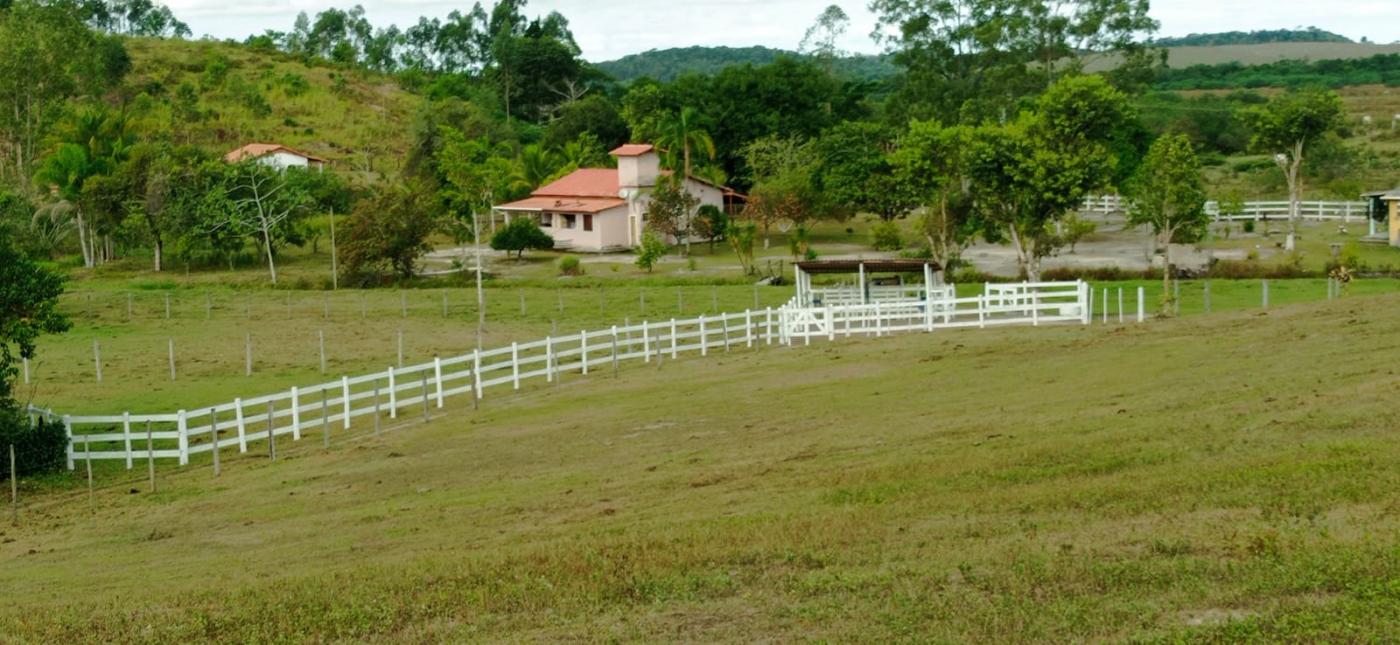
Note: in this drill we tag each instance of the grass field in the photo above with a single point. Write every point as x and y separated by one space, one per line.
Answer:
209 328
1212 477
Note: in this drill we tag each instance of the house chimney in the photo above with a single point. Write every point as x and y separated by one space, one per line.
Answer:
638 166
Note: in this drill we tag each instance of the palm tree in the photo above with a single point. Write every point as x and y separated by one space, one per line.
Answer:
682 132
538 164
64 172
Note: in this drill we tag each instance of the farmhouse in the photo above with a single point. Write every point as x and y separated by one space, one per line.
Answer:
1384 205
275 155
604 209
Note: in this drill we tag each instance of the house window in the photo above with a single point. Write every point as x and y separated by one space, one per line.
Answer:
587 222
546 220
569 221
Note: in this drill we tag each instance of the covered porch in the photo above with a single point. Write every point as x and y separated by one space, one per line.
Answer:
884 281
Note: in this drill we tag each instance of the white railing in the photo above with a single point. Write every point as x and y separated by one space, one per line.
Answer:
1000 304
330 406
1307 210
1317 210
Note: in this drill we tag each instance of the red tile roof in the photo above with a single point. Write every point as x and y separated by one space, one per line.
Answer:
584 182
256 150
632 150
565 204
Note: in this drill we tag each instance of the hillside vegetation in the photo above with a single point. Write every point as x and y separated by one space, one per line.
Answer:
667 64
1309 35
1223 477
220 96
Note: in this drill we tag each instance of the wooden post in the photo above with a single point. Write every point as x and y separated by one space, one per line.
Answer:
755 295
325 308
548 359
642 298
515 365
97 359
476 377
673 338
325 418
296 414
400 346
345 402
167 306
425 397
1206 294
1266 293
128 307
214 446
748 328
1142 306
87 457
560 295
126 437
1176 297
376 408
393 396
768 325
68 433
247 354
714 299
335 273
437 379
1105 305
614 350
183 428
444 303
704 339
271 431
321 344
1120 305
680 302
208 307
241 424
403 304
150 456
14 487
583 350
170 344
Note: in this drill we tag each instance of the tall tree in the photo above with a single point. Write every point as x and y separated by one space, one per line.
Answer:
820 39
28 309
264 202
854 171
931 163
682 134
1290 126
1167 196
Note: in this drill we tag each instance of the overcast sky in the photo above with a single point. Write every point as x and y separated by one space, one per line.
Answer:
608 29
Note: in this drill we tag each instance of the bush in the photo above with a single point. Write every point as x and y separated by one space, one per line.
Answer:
520 234
38 450
650 251
569 265
1248 226
885 236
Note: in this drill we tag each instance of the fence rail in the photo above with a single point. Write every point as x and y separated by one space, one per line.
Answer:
396 390
1317 210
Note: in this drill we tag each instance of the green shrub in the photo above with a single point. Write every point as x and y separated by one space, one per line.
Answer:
569 265
39 449
885 236
520 234
1248 226
650 251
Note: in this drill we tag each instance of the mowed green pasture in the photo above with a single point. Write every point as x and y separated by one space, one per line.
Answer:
1221 477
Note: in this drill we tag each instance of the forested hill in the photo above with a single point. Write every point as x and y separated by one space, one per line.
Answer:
667 64
1308 35
219 96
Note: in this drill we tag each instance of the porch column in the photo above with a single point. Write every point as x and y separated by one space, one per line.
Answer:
863 298
928 285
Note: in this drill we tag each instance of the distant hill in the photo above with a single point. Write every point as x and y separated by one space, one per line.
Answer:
667 64
1309 35
235 94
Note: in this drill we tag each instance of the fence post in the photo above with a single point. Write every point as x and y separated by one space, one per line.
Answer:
830 324
97 358
724 322
646 342
1141 305
126 437
613 351
748 328
271 430
437 379
242 425
87 461
68 432
321 342
182 425
768 325
296 414
1035 308
393 396
150 456
345 402
424 383
1266 293
704 340
167 306
673 339
247 354
376 407
170 343
982 311
515 364
548 359
400 346
325 417
1206 295
583 350
476 375
214 446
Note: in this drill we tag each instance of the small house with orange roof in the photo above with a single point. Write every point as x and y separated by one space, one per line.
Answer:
275 155
604 209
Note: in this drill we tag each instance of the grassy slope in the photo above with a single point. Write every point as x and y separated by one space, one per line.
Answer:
361 122
1220 476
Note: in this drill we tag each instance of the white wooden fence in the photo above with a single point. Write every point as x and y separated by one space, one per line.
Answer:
1317 210
331 406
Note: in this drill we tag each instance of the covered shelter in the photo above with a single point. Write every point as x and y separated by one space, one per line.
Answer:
876 281
1384 206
